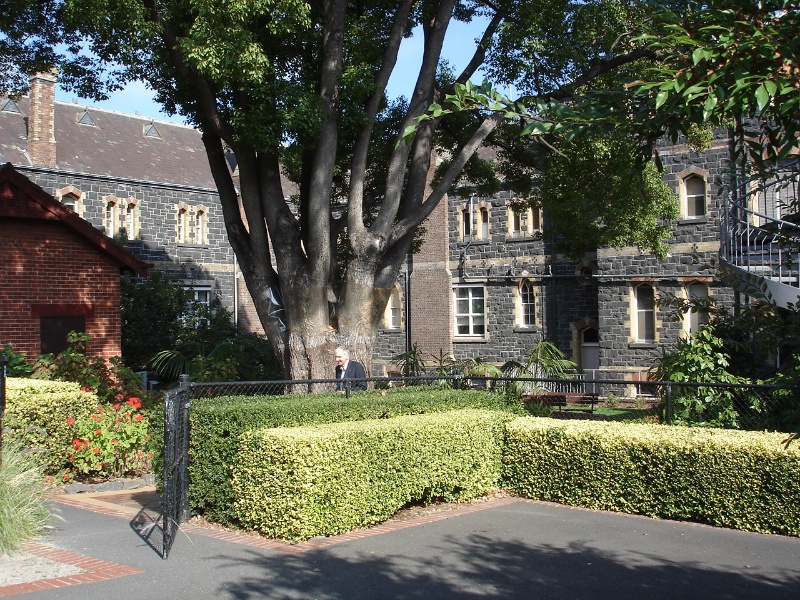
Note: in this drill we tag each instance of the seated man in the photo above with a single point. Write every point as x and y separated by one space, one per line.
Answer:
349 369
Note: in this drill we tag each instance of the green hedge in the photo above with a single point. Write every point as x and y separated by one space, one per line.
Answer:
737 479
37 410
297 483
216 425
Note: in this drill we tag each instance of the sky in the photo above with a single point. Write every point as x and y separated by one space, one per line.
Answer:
458 48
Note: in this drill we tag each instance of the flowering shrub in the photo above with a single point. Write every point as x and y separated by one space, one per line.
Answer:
112 442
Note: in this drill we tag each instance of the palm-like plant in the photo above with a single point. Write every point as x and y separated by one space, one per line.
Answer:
221 364
544 361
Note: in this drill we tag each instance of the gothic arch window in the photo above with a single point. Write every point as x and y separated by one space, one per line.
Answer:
111 216
526 305
132 218
694 193
201 225
182 223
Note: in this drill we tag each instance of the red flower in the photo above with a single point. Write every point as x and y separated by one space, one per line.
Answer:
66 476
134 402
70 420
86 389
138 418
98 431
116 406
77 444
119 397
96 450
114 441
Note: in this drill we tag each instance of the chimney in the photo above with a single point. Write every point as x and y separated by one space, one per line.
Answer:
41 120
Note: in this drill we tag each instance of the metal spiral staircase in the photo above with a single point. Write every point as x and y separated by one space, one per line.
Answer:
760 238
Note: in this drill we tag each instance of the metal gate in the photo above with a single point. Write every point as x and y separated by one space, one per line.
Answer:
175 499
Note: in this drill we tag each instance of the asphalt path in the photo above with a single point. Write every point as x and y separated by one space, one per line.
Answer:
508 550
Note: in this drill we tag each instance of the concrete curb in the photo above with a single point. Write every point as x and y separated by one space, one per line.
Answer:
109 486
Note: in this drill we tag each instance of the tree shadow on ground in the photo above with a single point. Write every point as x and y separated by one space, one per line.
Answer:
478 566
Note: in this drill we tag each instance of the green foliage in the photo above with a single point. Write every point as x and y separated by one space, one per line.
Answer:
112 442
217 424
742 480
24 512
544 361
699 359
411 363
597 192
91 372
37 411
17 366
294 484
730 61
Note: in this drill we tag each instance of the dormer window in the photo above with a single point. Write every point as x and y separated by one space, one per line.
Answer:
151 131
85 118
8 105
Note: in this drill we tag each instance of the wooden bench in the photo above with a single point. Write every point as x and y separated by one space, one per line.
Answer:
560 400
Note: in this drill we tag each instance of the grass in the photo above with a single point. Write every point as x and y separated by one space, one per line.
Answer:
24 512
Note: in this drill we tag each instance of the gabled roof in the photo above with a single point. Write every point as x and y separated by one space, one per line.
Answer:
103 142
22 199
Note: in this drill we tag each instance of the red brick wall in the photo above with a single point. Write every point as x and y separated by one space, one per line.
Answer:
431 310
45 270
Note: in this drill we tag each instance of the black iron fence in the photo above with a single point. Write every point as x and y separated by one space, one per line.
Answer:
751 407
740 406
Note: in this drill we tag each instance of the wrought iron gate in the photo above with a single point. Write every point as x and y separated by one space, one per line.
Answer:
175 499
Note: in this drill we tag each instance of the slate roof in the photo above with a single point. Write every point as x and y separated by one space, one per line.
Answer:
20 198
103 142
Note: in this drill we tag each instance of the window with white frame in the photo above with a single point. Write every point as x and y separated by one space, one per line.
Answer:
645 314
470 311
201 225
526 305
71 198
111 217
392 316
695 319
694 191
200 295
523 222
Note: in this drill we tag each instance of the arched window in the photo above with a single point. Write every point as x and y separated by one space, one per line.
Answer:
201 225
695 193
392 316
183 224
527 305
111 217
132 219
483 223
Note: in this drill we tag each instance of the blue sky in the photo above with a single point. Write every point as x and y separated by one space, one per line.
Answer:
459 45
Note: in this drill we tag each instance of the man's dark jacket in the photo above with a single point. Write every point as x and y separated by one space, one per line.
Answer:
354 370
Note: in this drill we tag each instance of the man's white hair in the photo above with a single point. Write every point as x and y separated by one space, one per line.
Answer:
343 351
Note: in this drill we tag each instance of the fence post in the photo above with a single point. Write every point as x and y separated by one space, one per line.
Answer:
3 365
185 385
669 404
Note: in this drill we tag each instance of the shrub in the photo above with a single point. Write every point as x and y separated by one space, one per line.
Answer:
44 406
217 424
297 483
743 480
17 366
112 442
23 489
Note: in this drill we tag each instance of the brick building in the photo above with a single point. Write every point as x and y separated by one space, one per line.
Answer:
144 183
58 272
497 287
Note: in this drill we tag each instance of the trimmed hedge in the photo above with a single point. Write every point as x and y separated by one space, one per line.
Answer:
737 479
297 483
217 424
37 410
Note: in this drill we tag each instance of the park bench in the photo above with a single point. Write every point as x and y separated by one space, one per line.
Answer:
561 400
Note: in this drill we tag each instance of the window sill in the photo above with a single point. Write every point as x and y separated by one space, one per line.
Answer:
188 245
475 242
692 221
525 329
470 339
643 345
